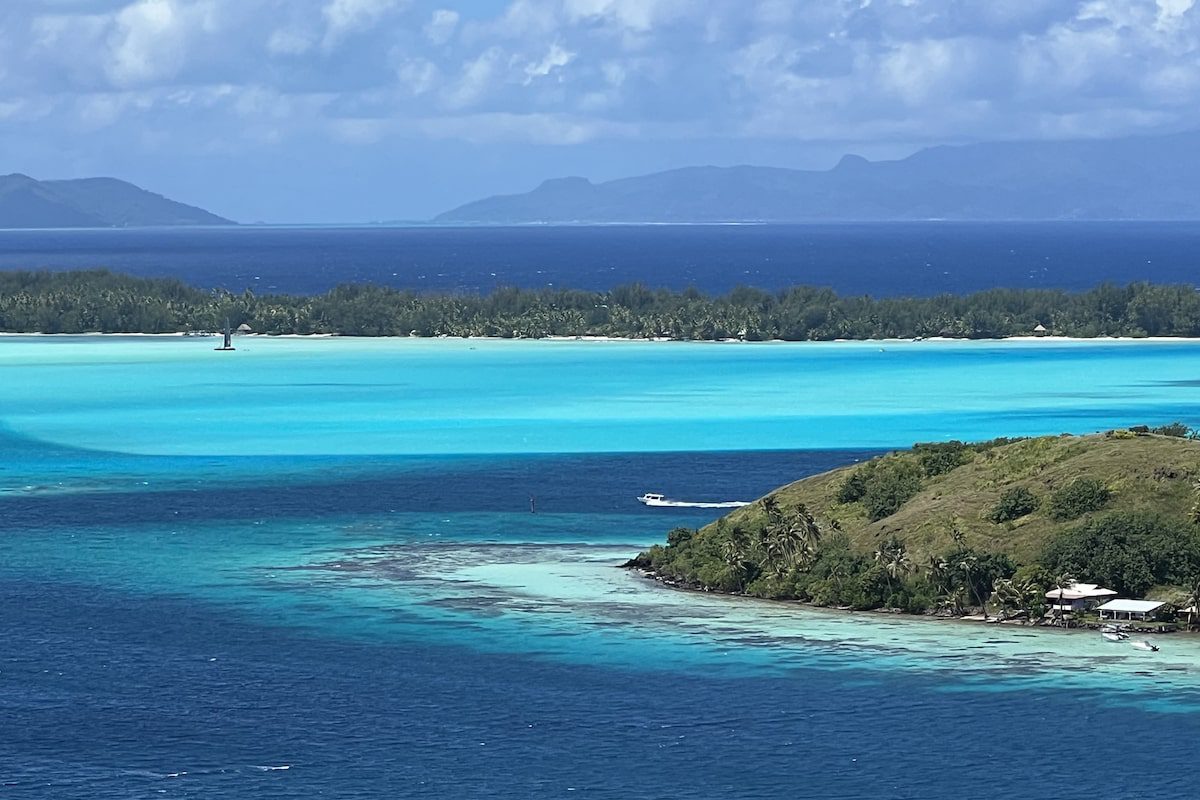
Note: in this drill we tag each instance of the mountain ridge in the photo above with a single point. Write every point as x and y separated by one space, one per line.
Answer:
1135 178
103 202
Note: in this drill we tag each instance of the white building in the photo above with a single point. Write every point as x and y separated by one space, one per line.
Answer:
1078 597
1130 610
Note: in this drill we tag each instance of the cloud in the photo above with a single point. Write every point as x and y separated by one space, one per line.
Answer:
639 16
555 71
477 76
555 57
441 26
150 39
346 17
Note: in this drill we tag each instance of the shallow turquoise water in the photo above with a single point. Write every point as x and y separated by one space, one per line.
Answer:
353 397
229 531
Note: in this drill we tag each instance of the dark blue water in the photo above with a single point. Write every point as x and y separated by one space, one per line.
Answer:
108 697
200 489
110 693
882 259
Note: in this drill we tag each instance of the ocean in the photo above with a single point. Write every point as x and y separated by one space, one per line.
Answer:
310 568
869 258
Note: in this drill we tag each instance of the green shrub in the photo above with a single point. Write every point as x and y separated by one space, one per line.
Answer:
882 486
678 536
938 458
1080 496
1177 429
1013 504
890 485
854 487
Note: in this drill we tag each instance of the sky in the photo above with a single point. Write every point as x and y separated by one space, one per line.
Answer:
362 110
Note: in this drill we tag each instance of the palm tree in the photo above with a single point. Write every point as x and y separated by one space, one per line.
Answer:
807 534
1023 594
770 507
937 569
966 565
733 553
1062 582
1193 599
892 555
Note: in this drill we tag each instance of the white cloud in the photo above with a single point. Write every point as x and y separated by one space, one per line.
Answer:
150 39
418 76
441 26
476 78
636 15
578 70
555 58
938 68
345 17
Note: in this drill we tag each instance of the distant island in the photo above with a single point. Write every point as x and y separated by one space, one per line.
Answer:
1136 178
106 302
91 203
963 528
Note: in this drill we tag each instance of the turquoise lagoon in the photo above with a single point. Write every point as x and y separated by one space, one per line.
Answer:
303 552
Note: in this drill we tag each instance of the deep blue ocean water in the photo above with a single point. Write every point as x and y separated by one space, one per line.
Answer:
874 258
140 660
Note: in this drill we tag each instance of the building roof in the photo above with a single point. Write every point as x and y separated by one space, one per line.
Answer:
1040 328
1079 591
1135 606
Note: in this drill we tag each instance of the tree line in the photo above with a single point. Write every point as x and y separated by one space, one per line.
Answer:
102 301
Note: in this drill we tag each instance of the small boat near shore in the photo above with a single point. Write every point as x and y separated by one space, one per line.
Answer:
661 501
1145 644
1114 633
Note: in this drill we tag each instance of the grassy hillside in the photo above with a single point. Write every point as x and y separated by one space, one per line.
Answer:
1115 508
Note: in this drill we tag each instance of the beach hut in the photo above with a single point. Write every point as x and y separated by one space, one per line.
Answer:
1130 610
244 328
1078 597
1040 330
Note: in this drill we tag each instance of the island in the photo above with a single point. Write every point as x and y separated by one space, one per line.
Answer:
91 203
1009 529
105 302
1133 178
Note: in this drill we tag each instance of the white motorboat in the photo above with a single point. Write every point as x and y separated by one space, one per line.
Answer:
1146 645
661 501
1114 633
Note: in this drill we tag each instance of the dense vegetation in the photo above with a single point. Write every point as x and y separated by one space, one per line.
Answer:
957 526
76 302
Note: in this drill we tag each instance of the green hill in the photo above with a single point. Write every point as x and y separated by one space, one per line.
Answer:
946 524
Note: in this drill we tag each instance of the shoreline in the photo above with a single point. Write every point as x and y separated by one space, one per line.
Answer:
973 619
616 339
